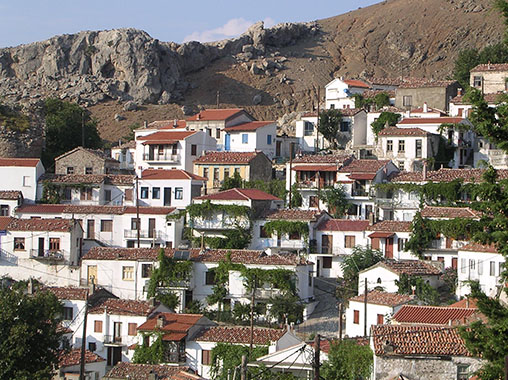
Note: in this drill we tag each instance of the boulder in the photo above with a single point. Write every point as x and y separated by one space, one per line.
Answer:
130 106
257 99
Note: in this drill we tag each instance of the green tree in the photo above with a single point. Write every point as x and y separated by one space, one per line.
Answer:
235 181
29 340
64 122
489 339
423 291
276 187
296 197
347 360
335 199
382 100
329 125
384 118
286 307
226 357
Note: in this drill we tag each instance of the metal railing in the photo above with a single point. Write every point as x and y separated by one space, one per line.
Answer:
144 234
6 256
267 293
47 254
114 339
161 157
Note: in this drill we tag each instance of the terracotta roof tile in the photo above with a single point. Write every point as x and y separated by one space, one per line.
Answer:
449 212
292 214
62 225
489 98
20 162
171 322
68 292
241 195
390 226
239 334
323 159
468 303
356 83
383 298
386 81
227 157
430 120
431 315
96 152
166 137
131 371
216 114
73 357
4 222
364 166
92 179
409 267
147 210
447 175
246 127
10 194
123 307
394 131
477 247
155 174
490 67
167 124
321 168
343 225
91 209
423 82
418 340
429 110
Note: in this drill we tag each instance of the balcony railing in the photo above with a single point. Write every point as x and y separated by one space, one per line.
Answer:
10 258
161 157
359 193
267 293
47 254
176 357
113 339
144 234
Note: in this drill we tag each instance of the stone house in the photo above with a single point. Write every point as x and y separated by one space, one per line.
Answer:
415 93
489 78
85 161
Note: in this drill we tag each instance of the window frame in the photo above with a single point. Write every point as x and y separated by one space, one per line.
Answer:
156 193
389 145
106 225
401 146
19 244
348 239
210 277
70 170
127 273
67 313
97 326
245 138
328 260
179 193
144 192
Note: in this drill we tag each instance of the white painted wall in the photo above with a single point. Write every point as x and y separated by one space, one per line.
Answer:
22 178
357 329
257 140
476 266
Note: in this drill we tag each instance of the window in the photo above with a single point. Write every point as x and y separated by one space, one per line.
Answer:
26 180
19 244
194 150
269 139
107 195
245 138
472 264
205 173
86 194
205 357
262 232
210 277
67 194
389 145
217 133
4 210
144 193
97 326
344 126
132 327
492 268
308 129
237 170
128 273
401 244
70 169
400 165
418 149
134 223
295 236
313 201
106 225
178 192
349 241
402 145
146 270
407 100
129 195
226 173
480 267
156 192
88 171
54 244
356 317
327 262
462 265
477 81
380 319
462 372
92 346
67 313
332 106
216 174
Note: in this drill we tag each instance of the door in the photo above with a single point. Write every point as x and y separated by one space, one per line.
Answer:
277 148
167 196
318 268
374 242
326 243
389 248
114 355
92 274
227 142
40 251
151 228
454 262
117 332
90 230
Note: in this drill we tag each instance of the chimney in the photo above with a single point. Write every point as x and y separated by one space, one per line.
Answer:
30 289
424 171
175 123
459 91
145 124
425 107
160 321
198 116
371 219
119 142
408 113
467 302
151 301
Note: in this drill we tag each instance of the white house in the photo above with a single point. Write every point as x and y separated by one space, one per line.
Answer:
482 263
339 92
385 273
69 365
251 136
173 187
372 116
390 237
381 306
434 315
124 153
307 134
21 174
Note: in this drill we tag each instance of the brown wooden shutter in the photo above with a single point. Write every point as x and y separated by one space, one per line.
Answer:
205 357
375 243
128 194
97 327
132 328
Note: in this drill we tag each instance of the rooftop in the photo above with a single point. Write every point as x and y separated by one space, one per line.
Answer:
165 137
292 214
383 298
423 82
123 307
409 267
54 225
247 127
95 152
343 225
216 114
394 131
92 179
447 175
430 120
237 194
390 226
19 162
477 247
167 124
73 358
431 315
339 159
364 166
10 195
155 174
131 371
227 157
489 98
369 94
239 334
91 209
449 212
490 67
68 292
356 83
173 326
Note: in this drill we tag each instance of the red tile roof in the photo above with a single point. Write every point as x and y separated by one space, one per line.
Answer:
68 292
468 303
390 226
166 137
449 212
343 225
321 168
364 166
418 340
350 111
216 114
73 357
477 247
171 323
123 307
240 195
356 83
4 222
167 124
239 334
61 225
377 297
10 194
155 174
409 267
19 162
131 371
430 120
394 131
291 214
213 157
91 209
490 67
431 315
447 175
92 179
338 159
147 210
429 110
246 127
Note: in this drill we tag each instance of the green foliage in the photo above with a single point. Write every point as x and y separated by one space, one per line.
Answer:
296 197
329 126
13 119
64 127
289 227
276 187
130 136
225 357
207 209
360 259
449 277
335 199
445 153
381 100
384 118
361 102
169 273
488 340
151 354
29 338
286 308
238 238
194 307
347 360
423 291
235 181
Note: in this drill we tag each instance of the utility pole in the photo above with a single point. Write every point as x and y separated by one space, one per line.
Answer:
218 99
83 128
317 354
340 320
290 172
365 310
138 222
317 122
252 300
243 371
83 342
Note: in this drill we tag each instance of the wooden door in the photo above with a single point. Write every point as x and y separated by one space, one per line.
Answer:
454 262
40 252
374 242
151 227
326 243
167 196
389 248
90 230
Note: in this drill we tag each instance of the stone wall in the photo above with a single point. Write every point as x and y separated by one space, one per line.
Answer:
21 144
80 160
260 168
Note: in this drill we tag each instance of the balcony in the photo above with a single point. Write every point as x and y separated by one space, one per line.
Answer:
336 251
49 255
264 293
114 340
359 193
170 158
307 184
144 234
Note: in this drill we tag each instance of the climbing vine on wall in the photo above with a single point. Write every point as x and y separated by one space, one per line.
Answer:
282 227
150 354
225 357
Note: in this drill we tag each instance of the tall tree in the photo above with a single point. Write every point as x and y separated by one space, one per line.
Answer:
385 118
335 199
329 126
29 340
347 360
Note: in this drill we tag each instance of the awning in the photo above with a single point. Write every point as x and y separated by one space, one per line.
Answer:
174 336
315 168
367 176
381 235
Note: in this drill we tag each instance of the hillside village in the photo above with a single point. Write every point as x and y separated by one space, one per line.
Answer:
181 238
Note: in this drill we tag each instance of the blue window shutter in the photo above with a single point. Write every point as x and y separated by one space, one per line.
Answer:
269 139
245 138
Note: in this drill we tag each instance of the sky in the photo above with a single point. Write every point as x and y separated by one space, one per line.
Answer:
25 21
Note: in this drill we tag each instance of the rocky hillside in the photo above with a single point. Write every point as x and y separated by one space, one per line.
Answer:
270 72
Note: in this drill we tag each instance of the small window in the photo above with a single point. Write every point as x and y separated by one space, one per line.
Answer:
70 169
156 192
332 106
128 273
88 170
308 129
217 133
144 193
67 313
67 194
472 264
262 232
210 277
206 357
295 236
313 201
407 101
178 192
26 180
205 173
4 210
492 268
477 81
194 150
92 346
237 170
134 223
462 265
132 329
106 225
380 319
216 174
402 145
245 138
400 165
418 149
97 326
107 195
356 317
463 372
146 270
389 145
345 126
269 139
401 244
350 241
226 173
480 267
54 244
327 262
19 244
86 194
